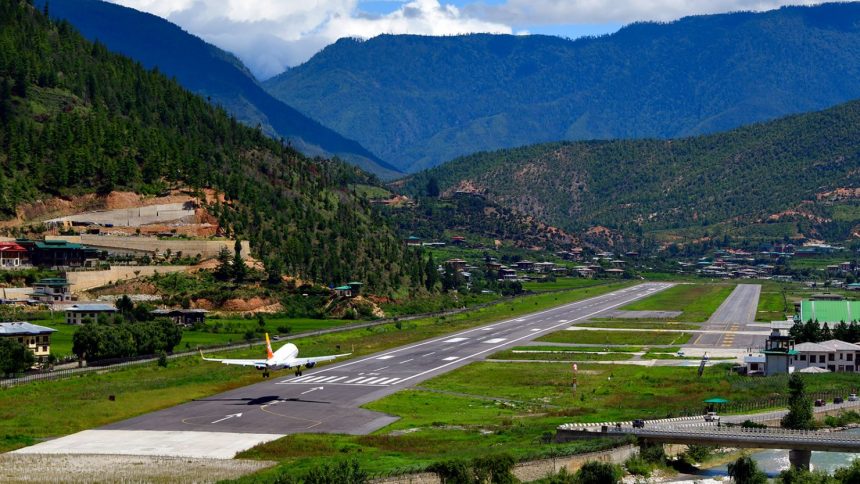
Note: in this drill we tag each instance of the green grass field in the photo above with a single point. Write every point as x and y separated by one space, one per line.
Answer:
616 337
55 408
696 301
586 349
560 356
561 284
636 324
772 304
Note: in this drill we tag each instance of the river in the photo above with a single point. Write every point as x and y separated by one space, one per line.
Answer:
772 461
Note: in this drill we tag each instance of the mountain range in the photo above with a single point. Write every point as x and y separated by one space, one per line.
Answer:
212 73
795 176
419 101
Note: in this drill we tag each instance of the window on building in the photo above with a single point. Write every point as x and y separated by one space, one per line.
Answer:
849 357
831 357
802 357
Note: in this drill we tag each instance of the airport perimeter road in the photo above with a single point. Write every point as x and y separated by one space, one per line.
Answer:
328 399
732 320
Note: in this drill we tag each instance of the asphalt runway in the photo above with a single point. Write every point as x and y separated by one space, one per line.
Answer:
328 399
734 317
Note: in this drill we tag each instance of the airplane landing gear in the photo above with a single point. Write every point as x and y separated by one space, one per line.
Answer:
265 373
299 371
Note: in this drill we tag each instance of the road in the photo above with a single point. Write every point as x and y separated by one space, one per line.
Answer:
730 325
327 399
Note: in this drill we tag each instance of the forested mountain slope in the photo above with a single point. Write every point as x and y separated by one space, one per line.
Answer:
209 72
419 101
764 173
76 118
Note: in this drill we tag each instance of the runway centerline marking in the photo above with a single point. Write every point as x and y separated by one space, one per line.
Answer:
562 308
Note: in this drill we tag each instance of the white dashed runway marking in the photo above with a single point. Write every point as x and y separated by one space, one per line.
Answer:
455 340
495 340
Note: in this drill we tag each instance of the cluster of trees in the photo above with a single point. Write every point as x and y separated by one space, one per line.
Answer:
717 183
14 357
745 471
131 332
121 339
477 216
813 332
76 118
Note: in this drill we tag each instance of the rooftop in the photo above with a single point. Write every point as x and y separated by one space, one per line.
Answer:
52 281
91 307
179 310
829 311
16 328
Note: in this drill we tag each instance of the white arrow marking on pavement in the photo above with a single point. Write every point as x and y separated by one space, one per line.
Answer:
228 417
312 390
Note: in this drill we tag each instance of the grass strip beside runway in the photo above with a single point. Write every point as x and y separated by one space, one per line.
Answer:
599 337
695 301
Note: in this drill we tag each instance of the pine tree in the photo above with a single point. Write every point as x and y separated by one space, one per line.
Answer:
799 416
224 269
240 270
432 275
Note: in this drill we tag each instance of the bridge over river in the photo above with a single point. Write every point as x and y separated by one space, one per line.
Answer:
800 442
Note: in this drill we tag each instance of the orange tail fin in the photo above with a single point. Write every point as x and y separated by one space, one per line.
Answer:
269 353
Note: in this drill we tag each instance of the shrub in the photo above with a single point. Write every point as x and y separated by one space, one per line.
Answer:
746 471
654 454
162 359
636 465
598 473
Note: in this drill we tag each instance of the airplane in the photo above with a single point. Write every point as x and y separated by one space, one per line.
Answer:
285 357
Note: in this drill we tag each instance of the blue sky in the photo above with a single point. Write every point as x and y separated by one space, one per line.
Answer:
273 35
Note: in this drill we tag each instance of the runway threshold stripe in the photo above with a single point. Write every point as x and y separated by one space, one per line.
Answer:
313 379
374 381
354 380
388 381
338 379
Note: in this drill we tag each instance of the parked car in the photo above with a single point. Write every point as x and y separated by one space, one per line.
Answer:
712 417
638 424
852 397
838 400
820 403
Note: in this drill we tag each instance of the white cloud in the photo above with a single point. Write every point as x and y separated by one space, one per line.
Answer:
554 12
270 35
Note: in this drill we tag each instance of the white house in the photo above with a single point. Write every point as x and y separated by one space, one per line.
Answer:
833 355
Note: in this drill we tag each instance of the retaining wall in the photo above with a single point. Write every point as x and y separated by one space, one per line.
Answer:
207 249
84 280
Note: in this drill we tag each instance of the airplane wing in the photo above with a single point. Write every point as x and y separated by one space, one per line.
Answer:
315 359
228 361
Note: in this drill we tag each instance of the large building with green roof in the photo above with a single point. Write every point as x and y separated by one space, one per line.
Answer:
830 312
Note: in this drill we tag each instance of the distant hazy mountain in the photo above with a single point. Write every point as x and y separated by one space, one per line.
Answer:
210 72
419 101
798 175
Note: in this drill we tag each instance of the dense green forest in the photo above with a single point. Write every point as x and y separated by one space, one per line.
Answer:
208 71
418 101
76 118
735 179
